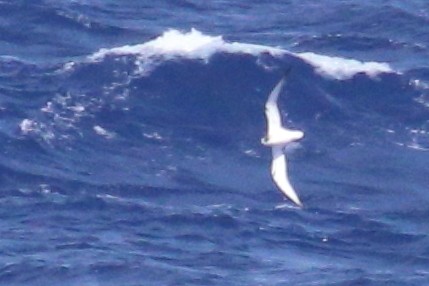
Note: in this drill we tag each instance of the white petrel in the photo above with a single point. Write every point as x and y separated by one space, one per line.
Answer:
277 138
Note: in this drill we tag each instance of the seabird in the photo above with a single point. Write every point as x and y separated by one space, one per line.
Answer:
277 138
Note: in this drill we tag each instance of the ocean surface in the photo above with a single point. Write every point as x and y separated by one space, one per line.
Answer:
130 146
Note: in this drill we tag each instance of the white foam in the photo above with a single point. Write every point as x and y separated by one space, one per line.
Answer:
27 126
196 45
414 145
154 135
103 132
193 44
342 68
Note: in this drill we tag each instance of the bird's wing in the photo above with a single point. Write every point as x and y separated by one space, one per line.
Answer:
272 112
279 173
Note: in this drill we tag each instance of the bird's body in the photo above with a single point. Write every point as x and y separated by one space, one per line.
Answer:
277 138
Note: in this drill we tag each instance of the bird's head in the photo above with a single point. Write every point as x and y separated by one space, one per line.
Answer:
264 140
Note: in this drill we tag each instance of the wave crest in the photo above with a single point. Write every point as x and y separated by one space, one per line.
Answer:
196 45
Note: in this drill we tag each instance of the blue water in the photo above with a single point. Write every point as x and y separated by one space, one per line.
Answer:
129 169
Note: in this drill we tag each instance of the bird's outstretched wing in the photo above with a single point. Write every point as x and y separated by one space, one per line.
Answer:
279 174
274 121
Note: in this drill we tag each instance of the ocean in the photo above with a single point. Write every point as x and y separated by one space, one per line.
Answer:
130 142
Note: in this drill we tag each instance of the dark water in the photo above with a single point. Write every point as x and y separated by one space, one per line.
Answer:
130 143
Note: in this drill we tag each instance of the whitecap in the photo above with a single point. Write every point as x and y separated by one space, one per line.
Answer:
196 45
103 132
342 68
193 45
27 125
154 135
